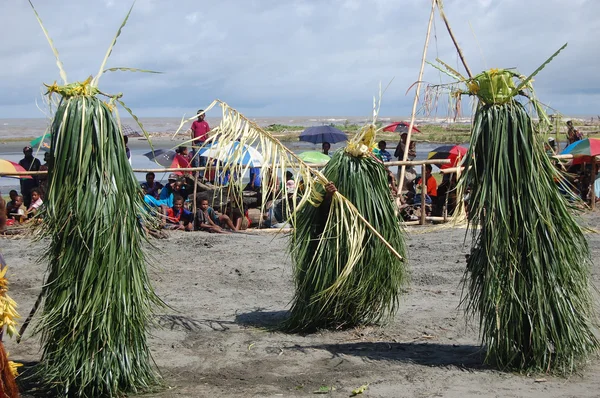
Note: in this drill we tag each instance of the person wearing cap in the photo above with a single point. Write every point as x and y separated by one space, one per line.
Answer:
199 130
29 163
550 146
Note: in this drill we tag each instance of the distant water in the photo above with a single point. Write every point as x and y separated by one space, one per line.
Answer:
14 128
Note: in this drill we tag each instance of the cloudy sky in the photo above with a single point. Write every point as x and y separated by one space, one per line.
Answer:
293 58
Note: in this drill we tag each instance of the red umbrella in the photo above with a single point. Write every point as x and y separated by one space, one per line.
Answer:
400 127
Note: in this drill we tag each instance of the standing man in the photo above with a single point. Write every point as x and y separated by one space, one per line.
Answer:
199 129
409 173
29 163
573 135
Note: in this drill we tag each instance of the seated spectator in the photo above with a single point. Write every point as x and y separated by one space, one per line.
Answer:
255 180
385 155
178 218
16 210
2 214
281 209
36 203
10 204
240 218
152 187
431 185
447 191
208 220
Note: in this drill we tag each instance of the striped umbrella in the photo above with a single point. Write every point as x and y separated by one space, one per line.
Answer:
452 152
7 167
583 150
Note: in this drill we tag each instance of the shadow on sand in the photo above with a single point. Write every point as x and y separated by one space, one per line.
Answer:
427 354
260 318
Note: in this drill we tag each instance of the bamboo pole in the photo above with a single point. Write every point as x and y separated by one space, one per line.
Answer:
460 53
415 103
192 169
593 183
423 194
195 177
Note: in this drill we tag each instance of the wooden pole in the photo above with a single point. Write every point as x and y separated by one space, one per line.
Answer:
192 169
460 53
423 193
415 103
195 177
593 183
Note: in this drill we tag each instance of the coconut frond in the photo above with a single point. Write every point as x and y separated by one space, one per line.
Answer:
358 230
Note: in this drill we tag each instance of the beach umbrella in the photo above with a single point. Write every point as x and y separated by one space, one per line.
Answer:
314 157
233 152
400 127
583 150
320 134
452 152
6 166
42 142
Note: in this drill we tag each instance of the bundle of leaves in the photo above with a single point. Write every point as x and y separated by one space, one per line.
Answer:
344 279
98 297
527 276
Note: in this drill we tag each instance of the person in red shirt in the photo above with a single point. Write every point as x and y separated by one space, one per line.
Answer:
431 183
199 130
177 217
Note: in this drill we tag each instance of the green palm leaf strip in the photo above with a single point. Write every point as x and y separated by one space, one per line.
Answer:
110 47
61 69
98 299
122 69
528 274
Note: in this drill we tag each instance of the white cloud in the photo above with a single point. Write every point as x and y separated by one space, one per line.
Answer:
305 57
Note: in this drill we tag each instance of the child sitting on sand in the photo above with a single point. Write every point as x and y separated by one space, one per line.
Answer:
178 218
36 203
208 220
15 209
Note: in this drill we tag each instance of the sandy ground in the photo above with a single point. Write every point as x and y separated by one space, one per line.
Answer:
226 291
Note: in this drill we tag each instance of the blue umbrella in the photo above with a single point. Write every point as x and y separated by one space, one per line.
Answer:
319 134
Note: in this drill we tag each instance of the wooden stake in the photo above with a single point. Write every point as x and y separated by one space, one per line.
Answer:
460 53
423 194
195 177
593 183
415 103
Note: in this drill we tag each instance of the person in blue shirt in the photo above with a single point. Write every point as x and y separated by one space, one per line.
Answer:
255 180
385 155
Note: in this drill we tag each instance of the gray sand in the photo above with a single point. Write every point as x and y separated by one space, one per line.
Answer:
227 290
